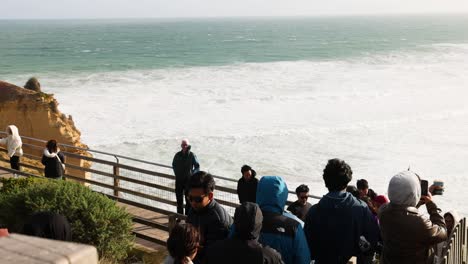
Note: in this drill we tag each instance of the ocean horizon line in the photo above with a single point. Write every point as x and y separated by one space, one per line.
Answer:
236 17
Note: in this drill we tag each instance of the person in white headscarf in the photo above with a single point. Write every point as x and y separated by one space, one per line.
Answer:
407 235
13 144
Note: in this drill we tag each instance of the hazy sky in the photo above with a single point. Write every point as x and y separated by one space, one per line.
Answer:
219 8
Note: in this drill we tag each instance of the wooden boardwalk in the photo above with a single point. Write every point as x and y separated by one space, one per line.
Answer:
139 228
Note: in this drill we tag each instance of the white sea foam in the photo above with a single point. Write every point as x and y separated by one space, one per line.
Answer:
381 113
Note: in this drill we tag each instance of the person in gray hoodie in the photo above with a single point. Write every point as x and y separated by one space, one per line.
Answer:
408 236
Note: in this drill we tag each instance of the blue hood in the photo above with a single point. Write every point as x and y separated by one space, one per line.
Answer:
272 194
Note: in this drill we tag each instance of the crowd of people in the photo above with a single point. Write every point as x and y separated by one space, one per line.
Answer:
349 222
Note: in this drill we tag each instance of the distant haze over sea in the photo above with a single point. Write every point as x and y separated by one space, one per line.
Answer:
283 95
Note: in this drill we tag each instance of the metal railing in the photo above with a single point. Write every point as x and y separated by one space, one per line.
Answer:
131 181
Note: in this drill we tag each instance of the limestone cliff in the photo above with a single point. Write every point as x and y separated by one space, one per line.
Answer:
36 115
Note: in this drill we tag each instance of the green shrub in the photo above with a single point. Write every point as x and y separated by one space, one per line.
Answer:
94 218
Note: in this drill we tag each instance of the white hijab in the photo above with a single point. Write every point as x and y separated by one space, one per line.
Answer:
13 141
404 189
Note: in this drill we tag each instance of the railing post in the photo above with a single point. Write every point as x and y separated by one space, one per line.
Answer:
116 181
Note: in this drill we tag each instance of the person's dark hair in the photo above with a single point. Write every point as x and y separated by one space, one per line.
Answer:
302 188
353 190
182 242
362 184
337 174
202 180
52 146
245 168
372 194
48 225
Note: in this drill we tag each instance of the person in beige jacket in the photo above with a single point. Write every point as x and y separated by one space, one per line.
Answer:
408 236
13 145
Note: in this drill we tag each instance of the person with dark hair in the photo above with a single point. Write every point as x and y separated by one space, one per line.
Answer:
409 236
53 161
281 230
364 191
48 225
300 207
14 145
244 247
340 226
206 214
182 244
247 185
184 164
363 187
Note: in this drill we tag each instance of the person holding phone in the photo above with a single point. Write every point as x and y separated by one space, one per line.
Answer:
407 235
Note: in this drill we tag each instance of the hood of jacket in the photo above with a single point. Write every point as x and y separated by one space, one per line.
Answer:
456 217
248 220
272 193
404 189
14 141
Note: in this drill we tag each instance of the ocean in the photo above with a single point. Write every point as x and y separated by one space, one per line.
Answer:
283 95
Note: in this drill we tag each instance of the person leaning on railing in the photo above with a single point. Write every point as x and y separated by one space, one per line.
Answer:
408 236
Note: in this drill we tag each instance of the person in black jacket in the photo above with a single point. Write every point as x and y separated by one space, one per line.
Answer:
247 185
244 247
300 207
184 164
206 214
340 226
53 160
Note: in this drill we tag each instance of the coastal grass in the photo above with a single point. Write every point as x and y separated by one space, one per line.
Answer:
95 219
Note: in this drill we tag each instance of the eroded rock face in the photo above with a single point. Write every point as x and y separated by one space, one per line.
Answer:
36 115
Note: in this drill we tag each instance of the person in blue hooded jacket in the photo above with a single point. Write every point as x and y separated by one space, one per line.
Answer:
340 226
281 230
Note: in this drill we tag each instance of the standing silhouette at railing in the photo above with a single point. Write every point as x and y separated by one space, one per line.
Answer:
247 185
53 160
184 164
14 146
